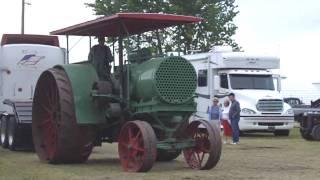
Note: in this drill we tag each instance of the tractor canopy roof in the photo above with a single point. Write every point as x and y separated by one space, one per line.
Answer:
123 24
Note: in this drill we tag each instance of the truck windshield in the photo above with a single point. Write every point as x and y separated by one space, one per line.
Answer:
244 81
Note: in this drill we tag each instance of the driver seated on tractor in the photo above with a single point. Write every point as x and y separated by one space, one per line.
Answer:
100 56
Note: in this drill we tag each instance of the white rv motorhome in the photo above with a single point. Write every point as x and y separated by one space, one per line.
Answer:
222 71
22 60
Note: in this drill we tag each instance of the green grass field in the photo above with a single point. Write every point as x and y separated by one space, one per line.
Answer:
257 157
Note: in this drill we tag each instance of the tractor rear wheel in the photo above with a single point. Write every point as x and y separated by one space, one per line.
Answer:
164 155
316 133
56 135
137 146
207 150
4 132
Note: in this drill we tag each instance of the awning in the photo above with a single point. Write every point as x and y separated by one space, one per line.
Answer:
122 24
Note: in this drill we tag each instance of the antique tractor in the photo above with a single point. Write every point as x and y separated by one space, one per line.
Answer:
145 105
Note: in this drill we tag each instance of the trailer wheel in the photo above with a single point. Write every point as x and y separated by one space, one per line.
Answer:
4 133
207 150
56 135
281 132
12 136
316 132
137 146
164 155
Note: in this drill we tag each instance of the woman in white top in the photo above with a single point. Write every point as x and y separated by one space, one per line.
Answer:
227 131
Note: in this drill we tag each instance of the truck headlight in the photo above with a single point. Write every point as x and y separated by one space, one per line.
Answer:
247 111
289 112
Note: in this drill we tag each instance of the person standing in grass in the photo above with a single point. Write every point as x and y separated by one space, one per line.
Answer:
234 116
214 112
227 130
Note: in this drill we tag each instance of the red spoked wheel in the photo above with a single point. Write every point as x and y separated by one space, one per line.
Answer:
207 150
56 135
137 146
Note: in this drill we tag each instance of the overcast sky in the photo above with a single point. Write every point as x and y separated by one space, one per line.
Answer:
287 28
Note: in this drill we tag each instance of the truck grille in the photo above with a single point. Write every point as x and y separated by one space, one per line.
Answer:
272 105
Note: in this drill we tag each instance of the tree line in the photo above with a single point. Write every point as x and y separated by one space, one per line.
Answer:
217 29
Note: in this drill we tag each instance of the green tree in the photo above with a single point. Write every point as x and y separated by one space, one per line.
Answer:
217 28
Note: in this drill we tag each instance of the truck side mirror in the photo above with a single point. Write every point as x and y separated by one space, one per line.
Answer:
216 83
279 84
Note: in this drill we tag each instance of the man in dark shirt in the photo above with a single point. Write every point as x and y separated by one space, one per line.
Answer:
234 115
100 56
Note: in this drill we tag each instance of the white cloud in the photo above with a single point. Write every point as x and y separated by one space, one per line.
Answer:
288 28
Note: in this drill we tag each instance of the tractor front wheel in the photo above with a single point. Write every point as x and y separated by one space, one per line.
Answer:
207 150
137 146
56 135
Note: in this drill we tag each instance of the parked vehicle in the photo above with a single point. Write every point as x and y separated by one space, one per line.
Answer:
309 119
22 59
295 102
144 106
250 77
299 108
310 126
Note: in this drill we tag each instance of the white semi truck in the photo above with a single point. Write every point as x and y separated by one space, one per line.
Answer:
22 59
222 71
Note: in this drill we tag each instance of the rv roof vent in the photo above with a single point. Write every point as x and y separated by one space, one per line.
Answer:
221 49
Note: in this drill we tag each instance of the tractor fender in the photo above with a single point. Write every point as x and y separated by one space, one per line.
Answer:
82 77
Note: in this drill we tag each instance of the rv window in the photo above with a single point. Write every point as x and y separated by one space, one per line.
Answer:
224 81
202 78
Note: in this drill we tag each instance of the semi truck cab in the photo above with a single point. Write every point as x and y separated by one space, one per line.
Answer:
250 77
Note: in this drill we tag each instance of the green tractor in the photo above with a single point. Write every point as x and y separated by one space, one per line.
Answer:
145 105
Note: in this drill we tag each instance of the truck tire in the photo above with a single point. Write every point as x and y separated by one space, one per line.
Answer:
4 133
281 132
12 133
57 136
164 155
306 135
316 133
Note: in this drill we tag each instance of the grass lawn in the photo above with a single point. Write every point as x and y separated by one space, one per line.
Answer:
259 156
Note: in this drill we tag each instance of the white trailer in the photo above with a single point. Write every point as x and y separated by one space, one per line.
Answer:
222 71
22 59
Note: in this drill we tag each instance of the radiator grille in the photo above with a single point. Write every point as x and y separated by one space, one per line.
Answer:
176 80
272 105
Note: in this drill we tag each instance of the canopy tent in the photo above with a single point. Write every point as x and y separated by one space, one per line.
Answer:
123 24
